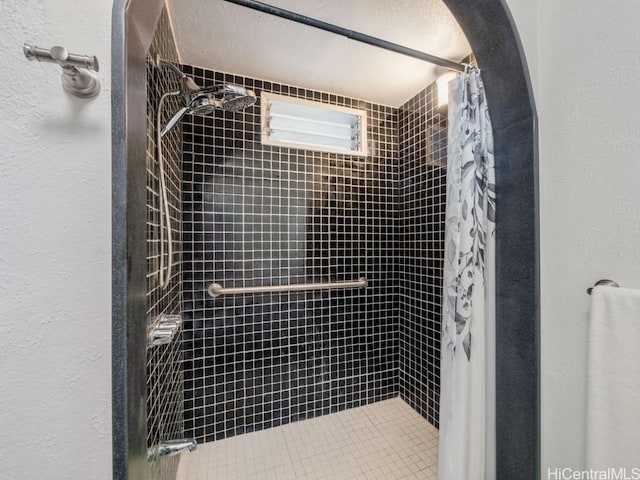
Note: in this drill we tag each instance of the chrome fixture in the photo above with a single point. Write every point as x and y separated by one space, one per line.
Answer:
188 84
163 330
169 448
216 290
204 101
602 283
196 101
78 71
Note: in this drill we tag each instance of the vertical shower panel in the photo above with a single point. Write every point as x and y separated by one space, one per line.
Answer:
260 215
164 362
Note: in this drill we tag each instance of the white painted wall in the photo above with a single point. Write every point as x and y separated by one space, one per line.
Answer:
55 214
586 79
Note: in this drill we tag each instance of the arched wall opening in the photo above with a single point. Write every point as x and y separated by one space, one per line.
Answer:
495 42
493 36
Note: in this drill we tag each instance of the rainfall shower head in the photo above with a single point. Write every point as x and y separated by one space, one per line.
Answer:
204 101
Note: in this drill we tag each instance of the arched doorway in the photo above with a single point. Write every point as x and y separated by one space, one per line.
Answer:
495 42
492 34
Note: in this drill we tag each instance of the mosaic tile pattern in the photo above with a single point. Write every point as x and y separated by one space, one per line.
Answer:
260 215
383 441
164 362
423 160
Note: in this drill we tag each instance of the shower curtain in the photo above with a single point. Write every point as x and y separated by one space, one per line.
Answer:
467 398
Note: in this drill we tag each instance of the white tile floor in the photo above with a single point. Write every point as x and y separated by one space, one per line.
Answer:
382 441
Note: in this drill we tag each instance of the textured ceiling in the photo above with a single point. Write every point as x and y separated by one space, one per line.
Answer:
219 35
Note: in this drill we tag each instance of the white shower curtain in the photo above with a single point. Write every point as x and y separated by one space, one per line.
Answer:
467 374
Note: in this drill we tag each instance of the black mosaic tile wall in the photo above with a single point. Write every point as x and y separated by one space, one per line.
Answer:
259 215
423 159
164 362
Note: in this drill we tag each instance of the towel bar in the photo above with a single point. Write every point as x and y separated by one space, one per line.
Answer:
603 282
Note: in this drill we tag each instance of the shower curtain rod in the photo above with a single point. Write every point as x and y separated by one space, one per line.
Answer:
357 36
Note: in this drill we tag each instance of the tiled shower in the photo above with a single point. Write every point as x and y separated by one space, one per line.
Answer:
164 362
251 214
261 215
421 197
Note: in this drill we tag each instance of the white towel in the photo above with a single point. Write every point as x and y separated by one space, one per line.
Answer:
613 383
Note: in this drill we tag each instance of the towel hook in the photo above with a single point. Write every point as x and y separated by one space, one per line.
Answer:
78 71
604 282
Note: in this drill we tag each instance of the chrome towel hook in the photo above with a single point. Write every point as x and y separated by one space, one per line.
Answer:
604 283
78 71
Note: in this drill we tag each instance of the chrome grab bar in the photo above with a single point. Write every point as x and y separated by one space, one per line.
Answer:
216 290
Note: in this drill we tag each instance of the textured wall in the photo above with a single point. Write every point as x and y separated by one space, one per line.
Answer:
589 191
55 249
589 184
259 215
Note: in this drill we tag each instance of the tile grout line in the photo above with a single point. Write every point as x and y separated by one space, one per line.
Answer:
286 442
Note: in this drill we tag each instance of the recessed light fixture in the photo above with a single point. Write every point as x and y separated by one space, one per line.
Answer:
443 89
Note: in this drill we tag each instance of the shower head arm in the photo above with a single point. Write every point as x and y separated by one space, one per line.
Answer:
164 64
188 85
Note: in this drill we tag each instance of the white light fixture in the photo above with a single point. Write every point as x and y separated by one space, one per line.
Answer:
443 88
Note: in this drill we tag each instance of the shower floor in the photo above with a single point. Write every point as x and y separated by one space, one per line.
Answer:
385 440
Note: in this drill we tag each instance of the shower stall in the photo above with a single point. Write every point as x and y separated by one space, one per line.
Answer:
255 215
291 315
